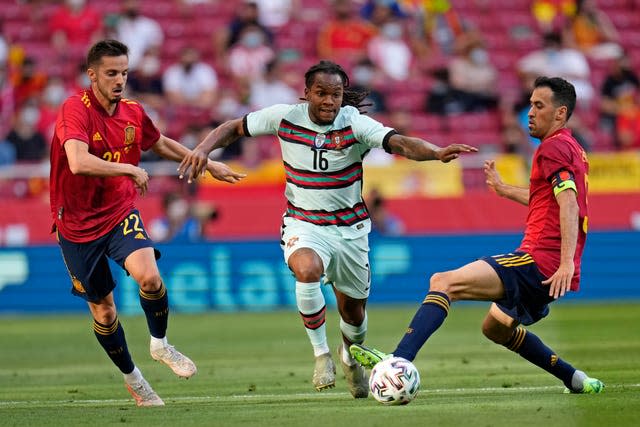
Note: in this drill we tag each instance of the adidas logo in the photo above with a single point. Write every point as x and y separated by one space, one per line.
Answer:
140 236
97 136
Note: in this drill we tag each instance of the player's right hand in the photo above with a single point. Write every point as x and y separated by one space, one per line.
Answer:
193 164
141 179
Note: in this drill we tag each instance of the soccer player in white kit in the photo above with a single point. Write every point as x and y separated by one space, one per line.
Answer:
326 224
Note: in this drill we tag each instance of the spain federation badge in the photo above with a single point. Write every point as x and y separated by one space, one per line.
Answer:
129 137
320 140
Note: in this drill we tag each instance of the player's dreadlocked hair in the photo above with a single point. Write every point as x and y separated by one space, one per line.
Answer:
350 96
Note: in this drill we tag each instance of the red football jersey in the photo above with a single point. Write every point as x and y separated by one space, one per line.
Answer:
84 207
542 239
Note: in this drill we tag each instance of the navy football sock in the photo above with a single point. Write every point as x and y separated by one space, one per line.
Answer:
156 309
426 321
529 346
111 338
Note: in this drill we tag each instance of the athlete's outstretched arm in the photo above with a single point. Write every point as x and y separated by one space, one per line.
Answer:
560 282
173 150
81 162
194 163
494 181
419 149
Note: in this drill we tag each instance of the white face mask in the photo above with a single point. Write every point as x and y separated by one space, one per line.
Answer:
252 39
363 75
392 31
479 56
178 209
149 65
30 116
76 4
84 81
54 94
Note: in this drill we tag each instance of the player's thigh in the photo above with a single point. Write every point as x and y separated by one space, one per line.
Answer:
474 281
307 251
132 249
349 271
141 265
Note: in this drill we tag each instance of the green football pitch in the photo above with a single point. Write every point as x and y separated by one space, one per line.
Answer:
255 370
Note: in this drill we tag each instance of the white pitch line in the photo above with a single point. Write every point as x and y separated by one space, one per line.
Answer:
8 403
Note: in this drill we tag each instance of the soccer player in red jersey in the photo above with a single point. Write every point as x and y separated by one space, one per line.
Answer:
95 152
545 266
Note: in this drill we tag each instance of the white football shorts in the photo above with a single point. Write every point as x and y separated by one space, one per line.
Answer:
346 262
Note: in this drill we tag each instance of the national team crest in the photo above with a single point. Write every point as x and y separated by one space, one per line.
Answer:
337 140
320 140
129 135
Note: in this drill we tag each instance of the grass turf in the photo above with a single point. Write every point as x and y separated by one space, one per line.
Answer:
255 369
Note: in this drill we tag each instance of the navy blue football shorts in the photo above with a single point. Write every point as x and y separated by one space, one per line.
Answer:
526 299
88 263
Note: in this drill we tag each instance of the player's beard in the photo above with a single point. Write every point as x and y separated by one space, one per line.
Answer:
109 96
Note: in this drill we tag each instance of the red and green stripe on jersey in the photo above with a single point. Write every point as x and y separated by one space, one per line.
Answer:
340 217
324 180
334 140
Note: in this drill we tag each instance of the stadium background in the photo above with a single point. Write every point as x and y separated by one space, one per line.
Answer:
449 217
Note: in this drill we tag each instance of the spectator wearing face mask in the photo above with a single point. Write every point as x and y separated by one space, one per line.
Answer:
139 32
246 15
29 144
145 83
248 58
182 222
190 82
390 52
53 95
472 75
366 77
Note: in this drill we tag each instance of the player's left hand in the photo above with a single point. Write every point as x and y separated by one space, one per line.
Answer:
560 282
193 164
451 152
222 172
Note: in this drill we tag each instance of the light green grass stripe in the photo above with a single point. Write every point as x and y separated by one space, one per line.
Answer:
296 396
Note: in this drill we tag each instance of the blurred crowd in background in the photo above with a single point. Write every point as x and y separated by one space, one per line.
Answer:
444 70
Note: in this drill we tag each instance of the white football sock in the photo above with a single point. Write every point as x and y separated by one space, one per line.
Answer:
577 380
355 334
310 300
133 377
158 343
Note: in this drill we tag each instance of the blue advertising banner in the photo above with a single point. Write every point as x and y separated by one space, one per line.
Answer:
236 276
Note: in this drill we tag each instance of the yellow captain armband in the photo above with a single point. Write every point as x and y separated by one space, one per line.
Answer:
563 180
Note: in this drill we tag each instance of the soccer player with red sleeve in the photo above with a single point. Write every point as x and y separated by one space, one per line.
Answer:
96 148
545 266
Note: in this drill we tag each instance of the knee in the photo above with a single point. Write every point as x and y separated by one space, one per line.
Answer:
440 282
498 335
150 282
105 315
308 270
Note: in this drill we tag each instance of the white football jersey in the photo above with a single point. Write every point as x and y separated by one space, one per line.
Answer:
323 164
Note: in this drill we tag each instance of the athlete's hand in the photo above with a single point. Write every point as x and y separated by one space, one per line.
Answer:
141 179
193 164
493 179
222 172
560 282
451 152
